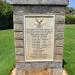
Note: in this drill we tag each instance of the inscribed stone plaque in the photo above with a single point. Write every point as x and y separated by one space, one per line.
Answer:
39 37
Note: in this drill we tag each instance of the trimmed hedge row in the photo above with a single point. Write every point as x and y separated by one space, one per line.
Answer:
70 19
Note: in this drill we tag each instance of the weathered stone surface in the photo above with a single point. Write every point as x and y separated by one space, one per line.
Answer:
20 65
59 27
46 65
20 58
41 9
24 72
22 10
60 19
18 72
59 43
43 2
58 50
19 10
59 35
38 65
58 58
58 10
18 19
18 27
46 10
39 42
19 35
19 43
58 71
19 51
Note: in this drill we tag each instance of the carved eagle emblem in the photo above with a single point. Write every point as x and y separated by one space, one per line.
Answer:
39 22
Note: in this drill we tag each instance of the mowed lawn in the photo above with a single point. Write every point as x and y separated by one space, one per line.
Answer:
7 51
69 49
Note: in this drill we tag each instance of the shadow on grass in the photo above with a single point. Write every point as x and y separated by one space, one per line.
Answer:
5 27
64 63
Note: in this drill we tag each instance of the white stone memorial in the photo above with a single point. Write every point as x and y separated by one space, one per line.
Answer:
39 36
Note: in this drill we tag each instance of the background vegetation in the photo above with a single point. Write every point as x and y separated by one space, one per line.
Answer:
70 16
6 16
70 19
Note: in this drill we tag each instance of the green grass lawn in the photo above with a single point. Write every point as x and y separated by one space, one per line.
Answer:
7 52
69 49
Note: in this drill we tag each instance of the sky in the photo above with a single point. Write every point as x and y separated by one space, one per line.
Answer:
71 3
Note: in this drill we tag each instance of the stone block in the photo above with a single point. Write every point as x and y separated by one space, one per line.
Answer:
59 35
60 19
58 71
58 50
20 58
18 19
58 58
59 27
19 51
18 72
20 65
19 10
19 35
42 2
59 43
19 43
18 27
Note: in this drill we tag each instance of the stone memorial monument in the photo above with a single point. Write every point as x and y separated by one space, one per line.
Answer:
39 36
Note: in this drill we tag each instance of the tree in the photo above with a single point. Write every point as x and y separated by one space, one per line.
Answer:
70 16
5 8
6 16
70 10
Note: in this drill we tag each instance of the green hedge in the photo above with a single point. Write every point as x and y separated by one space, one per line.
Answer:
70 19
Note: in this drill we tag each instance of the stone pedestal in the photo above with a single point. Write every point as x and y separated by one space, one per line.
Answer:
39 36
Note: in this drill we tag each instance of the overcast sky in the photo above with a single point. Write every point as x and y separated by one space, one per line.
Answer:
71 3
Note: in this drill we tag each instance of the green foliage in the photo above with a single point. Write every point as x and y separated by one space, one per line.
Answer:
70 19
70 11
70 16
6 16
5 8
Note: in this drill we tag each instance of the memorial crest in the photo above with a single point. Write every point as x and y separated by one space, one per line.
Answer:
39 22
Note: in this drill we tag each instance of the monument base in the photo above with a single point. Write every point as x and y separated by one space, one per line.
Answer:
38 72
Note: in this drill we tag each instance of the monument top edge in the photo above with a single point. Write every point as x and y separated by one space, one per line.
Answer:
40 2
